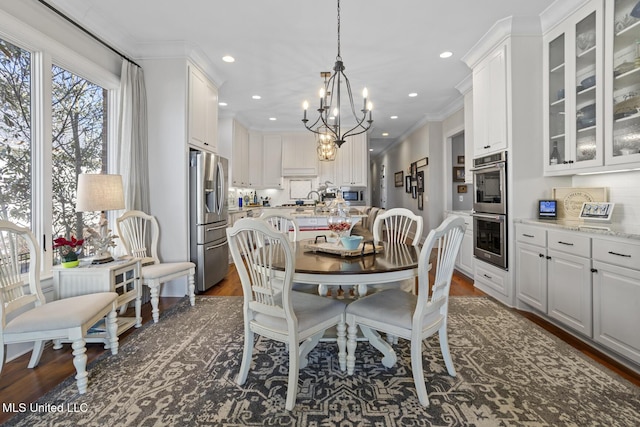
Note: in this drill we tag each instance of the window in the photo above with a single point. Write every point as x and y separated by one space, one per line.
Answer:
79 145
15 134
54 124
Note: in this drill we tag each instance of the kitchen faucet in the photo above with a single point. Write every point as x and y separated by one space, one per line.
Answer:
312 192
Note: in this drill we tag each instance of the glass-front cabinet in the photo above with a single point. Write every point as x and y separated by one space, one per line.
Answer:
574 84
622 73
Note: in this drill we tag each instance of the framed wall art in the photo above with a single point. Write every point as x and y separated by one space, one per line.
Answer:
420 182
458 174
462 189
461 160
420 202
398 178
407 183
422 163
413 169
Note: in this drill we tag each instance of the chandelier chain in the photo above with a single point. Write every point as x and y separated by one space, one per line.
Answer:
338 57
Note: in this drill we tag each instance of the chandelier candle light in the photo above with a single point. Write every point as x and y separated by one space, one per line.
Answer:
328 128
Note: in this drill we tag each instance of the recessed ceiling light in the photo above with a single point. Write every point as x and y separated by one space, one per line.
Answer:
256 97
228 58
393 117
222 104
446 54
273 119
385 133
413 94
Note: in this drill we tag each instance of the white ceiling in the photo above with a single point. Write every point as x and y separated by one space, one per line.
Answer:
281 46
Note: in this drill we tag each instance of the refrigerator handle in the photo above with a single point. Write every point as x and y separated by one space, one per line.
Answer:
220 185
208 248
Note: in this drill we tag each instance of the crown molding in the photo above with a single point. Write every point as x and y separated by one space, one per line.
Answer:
557 12
512 26
466 85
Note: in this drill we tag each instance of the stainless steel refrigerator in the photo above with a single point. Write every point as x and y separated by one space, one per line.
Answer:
208 177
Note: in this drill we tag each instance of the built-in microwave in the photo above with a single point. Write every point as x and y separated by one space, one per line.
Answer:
354 195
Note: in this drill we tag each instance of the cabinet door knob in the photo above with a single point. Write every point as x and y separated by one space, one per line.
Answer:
594 270
541 255
548 257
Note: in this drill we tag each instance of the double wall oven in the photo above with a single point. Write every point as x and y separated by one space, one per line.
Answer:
490 209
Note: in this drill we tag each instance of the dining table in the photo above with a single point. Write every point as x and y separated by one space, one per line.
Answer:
389 263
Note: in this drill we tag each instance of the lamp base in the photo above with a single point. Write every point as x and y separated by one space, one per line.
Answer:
102 258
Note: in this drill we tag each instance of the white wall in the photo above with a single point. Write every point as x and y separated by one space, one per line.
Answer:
425 141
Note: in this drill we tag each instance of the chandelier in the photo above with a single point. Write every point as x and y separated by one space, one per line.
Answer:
328 125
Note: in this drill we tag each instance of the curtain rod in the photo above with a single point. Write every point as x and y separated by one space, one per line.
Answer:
89 33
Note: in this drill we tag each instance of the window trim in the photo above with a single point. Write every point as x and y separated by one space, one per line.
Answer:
44 53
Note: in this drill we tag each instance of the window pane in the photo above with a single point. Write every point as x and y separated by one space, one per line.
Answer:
79 146
15 134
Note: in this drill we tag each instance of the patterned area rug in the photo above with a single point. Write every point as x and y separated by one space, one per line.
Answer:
181 372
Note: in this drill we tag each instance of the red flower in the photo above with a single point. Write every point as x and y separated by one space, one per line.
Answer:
61 242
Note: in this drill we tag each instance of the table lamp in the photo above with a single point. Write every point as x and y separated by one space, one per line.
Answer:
100 192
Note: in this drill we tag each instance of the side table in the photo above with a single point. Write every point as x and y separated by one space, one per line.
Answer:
122 277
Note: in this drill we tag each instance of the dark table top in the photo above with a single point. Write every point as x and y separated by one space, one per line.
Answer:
393 257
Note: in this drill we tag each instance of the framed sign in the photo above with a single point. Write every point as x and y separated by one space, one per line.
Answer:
422 163
598 211
399 178
458 174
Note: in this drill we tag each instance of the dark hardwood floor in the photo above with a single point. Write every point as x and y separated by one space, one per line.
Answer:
18 384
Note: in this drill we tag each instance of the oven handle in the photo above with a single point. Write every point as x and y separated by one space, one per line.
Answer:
499 218
498 165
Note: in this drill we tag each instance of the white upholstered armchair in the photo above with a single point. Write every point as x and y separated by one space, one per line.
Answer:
26 316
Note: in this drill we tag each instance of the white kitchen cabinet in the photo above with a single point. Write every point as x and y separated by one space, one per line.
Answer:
240 153
622 84
202 111
553 275
352 161
272 161
299 156
573 95
464 259
490 103
255 160
492 280
327 171
616 296
531 266
569 280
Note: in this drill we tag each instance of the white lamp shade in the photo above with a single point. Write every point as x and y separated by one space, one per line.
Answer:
99 192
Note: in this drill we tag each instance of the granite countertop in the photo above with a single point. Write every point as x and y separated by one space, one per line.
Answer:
606 229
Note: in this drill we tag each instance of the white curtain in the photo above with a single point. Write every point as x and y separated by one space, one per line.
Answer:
132 137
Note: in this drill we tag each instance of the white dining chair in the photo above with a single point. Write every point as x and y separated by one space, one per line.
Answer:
284 223
271 308
139 232
398 225
408 316
26 316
